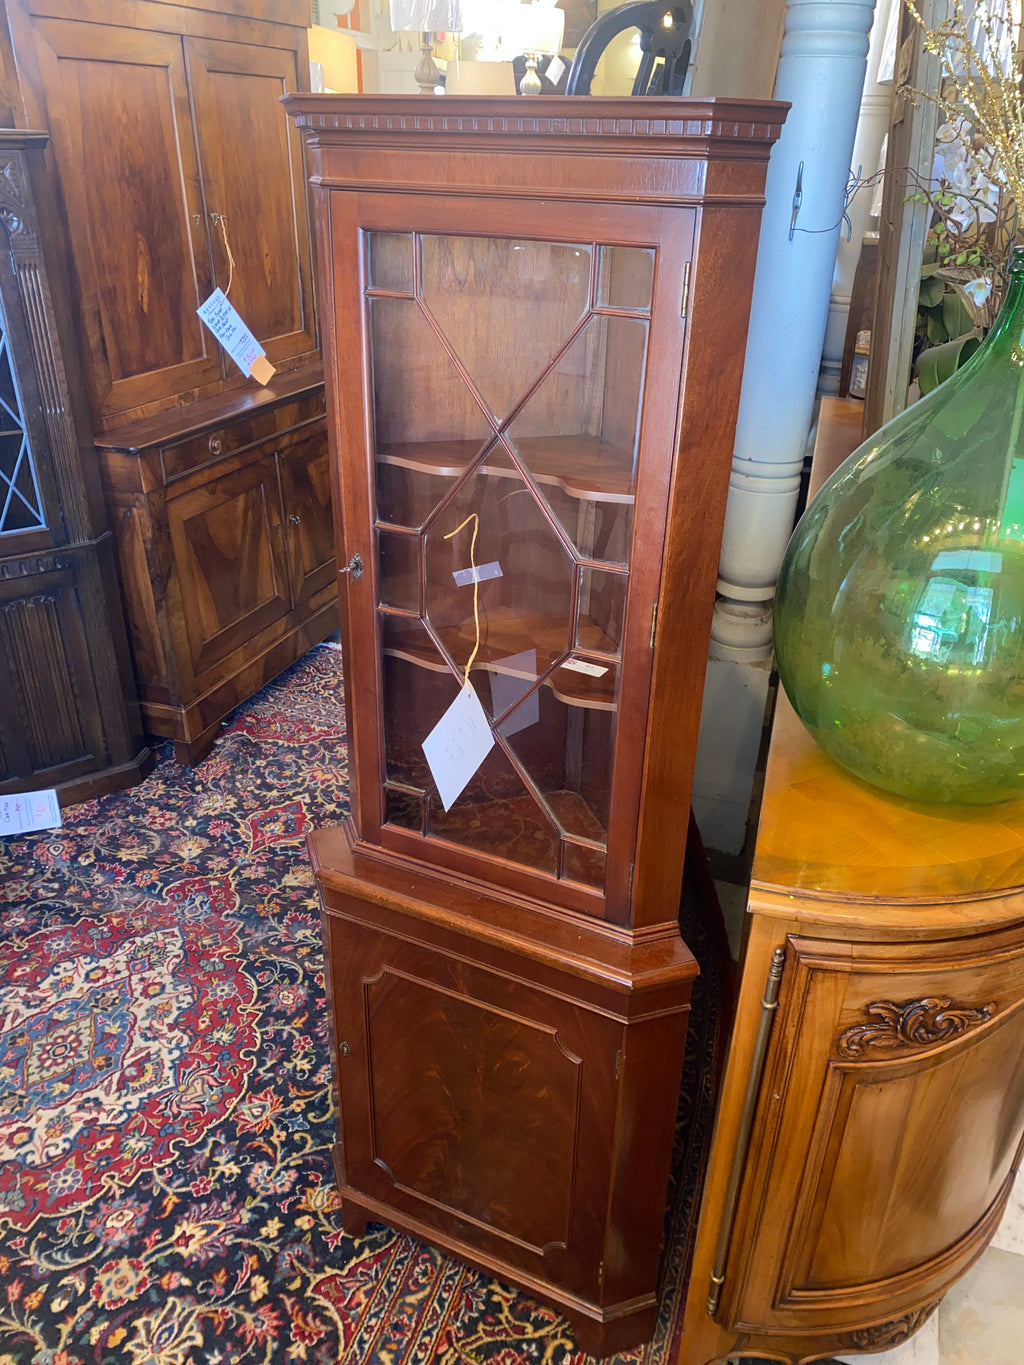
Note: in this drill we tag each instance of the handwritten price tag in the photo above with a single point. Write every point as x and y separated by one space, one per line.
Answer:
229 329
457 745
22 812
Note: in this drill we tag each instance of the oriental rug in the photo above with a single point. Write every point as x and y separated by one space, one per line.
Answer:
166 1190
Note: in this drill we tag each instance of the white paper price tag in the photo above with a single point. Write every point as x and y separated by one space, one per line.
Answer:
26 811
554 70
585 666
457 745
229 329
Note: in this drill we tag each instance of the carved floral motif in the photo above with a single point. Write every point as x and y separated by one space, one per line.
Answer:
916 1024
885 1335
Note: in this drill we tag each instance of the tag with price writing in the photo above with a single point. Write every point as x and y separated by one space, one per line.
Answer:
223 321
23 812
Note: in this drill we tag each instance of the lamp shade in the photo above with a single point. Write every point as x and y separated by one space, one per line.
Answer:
480 78
425 16
336 53
536 28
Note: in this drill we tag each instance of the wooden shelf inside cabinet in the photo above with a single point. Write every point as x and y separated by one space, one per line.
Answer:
577 681
535 482
584 467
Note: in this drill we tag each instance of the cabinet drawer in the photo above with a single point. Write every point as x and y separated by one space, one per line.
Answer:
213 444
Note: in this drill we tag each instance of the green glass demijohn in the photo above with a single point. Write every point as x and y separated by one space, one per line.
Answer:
899 618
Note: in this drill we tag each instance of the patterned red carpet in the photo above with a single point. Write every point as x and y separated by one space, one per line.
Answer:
166 1193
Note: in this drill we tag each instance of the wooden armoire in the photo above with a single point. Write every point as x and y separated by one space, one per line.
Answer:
175 171
535 315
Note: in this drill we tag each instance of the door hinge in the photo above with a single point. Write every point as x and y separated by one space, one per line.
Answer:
685 302
629 883
654 623
618 1064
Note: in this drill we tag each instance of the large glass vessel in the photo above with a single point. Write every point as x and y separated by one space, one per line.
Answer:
899 618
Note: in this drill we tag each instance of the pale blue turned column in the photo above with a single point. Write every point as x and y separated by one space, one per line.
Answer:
821 72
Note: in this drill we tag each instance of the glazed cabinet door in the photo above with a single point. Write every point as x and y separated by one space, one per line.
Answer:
521 399
117 103
255 202
886 1137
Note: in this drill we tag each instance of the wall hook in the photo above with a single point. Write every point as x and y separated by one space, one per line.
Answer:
798 199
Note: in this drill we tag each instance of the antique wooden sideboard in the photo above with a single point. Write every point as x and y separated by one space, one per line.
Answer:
872 1111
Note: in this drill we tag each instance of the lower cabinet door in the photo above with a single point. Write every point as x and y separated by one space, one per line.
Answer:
888 1128
475 1104
230 568
305 469
51 717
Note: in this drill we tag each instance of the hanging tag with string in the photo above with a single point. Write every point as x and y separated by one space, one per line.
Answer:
224 322
462 738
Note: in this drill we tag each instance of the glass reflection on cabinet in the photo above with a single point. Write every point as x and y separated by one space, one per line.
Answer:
504 494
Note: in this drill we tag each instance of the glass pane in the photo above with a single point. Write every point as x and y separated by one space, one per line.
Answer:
426 421
625 277
398 557
390 261
584 864
567 750
578 435
21 507
496 814
418 688
525 574
602 610
511 535
507 307
404 808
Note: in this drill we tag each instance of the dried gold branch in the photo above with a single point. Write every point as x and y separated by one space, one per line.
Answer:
978 86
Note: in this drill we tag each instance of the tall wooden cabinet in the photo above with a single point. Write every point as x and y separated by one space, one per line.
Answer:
535 312
68 717
872 1113
176 171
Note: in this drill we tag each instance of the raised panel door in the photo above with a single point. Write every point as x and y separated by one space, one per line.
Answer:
117 102
51 725
472 1100
229 564
255 202
305 470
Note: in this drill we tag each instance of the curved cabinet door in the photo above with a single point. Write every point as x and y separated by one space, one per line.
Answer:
889 1122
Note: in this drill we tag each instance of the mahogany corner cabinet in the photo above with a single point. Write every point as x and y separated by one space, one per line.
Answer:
535 317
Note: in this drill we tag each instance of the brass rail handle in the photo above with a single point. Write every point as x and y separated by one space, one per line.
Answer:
769 1004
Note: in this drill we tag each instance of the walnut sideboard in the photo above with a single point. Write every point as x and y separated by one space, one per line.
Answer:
871 1115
